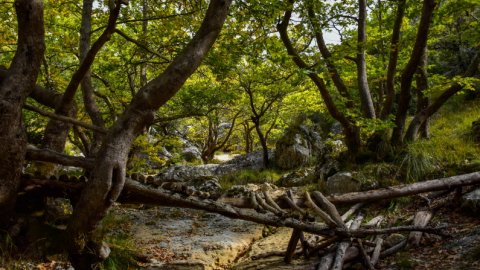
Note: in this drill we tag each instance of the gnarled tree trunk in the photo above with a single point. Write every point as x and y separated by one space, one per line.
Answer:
108 174
14 89
410 69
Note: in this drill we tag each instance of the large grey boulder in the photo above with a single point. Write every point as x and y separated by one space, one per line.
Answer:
297 147
342 182
191 154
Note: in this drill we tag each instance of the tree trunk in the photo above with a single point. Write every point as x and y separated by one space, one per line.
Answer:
86 85
407 75
263 142
108 174
14 89
422 101
392 62
365 96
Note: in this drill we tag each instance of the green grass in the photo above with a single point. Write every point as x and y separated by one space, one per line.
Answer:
123 249
451 144
243 177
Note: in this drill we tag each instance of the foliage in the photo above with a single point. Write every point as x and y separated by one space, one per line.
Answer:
451 143
115 229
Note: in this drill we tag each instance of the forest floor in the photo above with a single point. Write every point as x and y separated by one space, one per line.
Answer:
460 250
166 235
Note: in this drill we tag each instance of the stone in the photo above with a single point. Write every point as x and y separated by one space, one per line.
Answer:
297 147
326 169
471 201
188 239
342 182
184 173
393 239
191 154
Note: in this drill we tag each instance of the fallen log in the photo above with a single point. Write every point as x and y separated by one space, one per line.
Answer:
408 189
421 219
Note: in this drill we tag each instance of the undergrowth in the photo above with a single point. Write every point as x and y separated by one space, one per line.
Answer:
451 146
243 177
116 231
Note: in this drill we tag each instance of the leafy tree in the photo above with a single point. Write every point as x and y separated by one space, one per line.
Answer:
328 66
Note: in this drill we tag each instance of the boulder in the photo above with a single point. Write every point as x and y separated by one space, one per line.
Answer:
342 182
191 154
252 161
297 147
326 169
471 201
184 173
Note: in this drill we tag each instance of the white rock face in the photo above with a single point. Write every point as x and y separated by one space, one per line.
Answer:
175 238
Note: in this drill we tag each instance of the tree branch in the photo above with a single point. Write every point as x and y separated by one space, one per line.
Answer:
64 119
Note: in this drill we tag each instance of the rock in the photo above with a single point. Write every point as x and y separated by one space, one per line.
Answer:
297 178
471 201
252 161
191 154
336 128
188 239
297 147
184 173
326 169
276 242
342 182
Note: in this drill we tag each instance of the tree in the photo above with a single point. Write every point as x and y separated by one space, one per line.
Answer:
332 71
108 175
14 89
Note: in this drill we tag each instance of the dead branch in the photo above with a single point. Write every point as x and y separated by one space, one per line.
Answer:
324 216
406 190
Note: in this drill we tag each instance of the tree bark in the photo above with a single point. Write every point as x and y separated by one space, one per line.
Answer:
409 71
86 85
327 55
392 62
406 190
365 96
14 89
422 101
108 174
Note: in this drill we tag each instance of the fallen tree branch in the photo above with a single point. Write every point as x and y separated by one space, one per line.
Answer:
406 190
